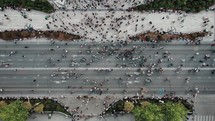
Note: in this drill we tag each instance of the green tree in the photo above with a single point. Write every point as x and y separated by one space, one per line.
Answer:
39 108
174 111
14 112
153 113
40 5
27 105
186 5
128 106
148 112
145 104
138 113
2 104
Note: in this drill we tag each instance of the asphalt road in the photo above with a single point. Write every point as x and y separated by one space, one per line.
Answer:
80 66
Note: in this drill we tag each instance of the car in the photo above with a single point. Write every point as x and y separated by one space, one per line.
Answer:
213 44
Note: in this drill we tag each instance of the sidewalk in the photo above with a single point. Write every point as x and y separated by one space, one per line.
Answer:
59 117
44 117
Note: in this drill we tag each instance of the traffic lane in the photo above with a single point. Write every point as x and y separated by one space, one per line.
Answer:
57 52
97 63
119 49
42 79
111 80
77 49
58 56
96 46
102 70
121 70
156 90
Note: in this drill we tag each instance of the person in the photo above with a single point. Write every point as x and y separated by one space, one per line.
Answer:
166 79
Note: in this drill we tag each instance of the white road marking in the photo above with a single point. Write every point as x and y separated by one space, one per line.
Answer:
3 55
81 68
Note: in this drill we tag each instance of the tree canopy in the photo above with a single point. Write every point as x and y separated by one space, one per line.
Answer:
149 112
39 108
14 112
128 106
174 111
40 5
27 105
184 5
169 111
2 104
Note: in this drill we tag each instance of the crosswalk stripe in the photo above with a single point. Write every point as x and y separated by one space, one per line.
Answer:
195 118
203 118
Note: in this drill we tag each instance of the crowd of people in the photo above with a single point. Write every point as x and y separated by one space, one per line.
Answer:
103 4
115 27
127 56
98 52
109 25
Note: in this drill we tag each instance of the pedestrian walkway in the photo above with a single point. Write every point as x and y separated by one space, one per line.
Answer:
59 117
44 117
204 118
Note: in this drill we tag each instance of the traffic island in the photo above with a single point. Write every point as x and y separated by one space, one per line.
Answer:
152 109
168 37
27 34
19 109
